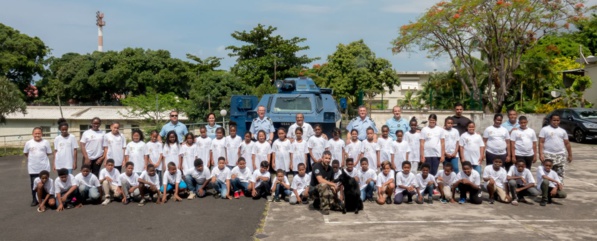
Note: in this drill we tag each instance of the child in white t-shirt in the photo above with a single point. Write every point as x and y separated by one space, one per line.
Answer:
524 143
413 138
135 152
451 142
521 182
300 186
261 149
43 187
260 184
350 169
371 150
281 155
37 151
337 146
495 178
173 183
426 184
203 143
445 179
171 151
497 142
239 178
354 147
246 150
400 151
469 181
232 146
472 147
153 155
149 183
65 149
385 184
366 179
317 144
432 144
385 144
551 185
197 179
65 189
114 145
218 147
280 186
187 153
129 183
299 150
219 178
554 145
406 184
88 185
110 179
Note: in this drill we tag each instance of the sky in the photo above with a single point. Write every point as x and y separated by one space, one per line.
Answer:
203 28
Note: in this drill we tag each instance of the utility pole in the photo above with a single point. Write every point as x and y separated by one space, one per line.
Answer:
100 35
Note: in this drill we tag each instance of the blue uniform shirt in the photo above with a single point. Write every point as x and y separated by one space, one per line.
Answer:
361 126
179 128
396 125
264 124
211 130
509 125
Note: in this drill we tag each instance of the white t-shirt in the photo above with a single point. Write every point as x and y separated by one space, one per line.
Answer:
352 173
300 183
307 131
474 177
497 139
172 179
369 150
155 179
472 147
65 149
203 150
414 141
551 174
554 140
261 152
285 181
37 158
246 151
400 150
218 149
232 145
422 182
385 148
136 153
447 179
317 145
244 175
90 180
298 150
337 174
133 180
171 154
116 145
353 150
154 150
48 186
188 154
62 187
282 151
432 137
526 174
523 141
500 177
257 175
93 141
221 174
451 141
381 178
114 175
364 175
408 180
337 149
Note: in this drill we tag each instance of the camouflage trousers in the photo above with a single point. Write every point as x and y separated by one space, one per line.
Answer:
328 200
559 163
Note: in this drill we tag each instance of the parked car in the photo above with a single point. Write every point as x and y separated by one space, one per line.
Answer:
579 123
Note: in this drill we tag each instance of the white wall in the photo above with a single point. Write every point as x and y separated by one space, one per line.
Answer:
591 93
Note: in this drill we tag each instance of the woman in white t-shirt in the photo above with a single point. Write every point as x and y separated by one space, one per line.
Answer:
135 152
554 145
37 151
432 144
91 146
497 140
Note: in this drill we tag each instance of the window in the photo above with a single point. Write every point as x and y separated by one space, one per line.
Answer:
588 114
46 131
107 128
292 104
83 128
135 127
319 103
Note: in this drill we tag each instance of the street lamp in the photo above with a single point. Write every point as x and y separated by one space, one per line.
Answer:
223 113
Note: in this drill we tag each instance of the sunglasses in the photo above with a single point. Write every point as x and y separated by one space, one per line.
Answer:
173 115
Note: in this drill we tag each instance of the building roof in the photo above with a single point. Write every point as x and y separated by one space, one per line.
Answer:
83 113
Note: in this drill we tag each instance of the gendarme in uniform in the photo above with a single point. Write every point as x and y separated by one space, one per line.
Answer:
396 125
361 126
264 124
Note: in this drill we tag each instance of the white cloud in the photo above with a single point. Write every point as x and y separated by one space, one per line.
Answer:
221 49
297 8
408 6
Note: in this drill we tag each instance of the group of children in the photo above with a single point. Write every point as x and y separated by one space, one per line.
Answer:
385 169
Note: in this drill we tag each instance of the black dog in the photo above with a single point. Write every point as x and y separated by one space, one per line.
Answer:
352 193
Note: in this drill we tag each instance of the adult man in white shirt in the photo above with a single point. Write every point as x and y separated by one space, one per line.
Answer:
300 122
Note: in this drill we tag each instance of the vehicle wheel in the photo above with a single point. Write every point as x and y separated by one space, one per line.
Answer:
579 136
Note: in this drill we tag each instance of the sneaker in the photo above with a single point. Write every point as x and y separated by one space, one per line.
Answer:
191 196
388 200
277 199
430 200
34 203
236 195
443 200
522 200
515 203
106 201
241 193
325 212
462 201
370 199
216 195
69 206
305 201
491 201
543 203
142 202
270 198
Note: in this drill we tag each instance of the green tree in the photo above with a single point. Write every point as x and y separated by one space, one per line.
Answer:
12 99
587 33
154 107
266 57
212 92
21 56
500 30
353 68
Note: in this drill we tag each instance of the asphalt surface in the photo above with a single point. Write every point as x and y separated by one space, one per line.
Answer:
574 218
198 219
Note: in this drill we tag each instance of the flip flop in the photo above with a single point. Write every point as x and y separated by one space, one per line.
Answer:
40 211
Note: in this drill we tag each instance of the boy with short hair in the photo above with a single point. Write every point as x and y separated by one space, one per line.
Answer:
149 183
300 186
469 181
173 183
110 180
445 179
521 182
88 185
385 184
495 178
239 178
406 184
43 187
426 184
129 182
371 150
197 179
219 178
366 179
281 186
350 170
65 189
260 182
550 183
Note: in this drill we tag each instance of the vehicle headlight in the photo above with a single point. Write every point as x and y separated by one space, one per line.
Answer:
590 125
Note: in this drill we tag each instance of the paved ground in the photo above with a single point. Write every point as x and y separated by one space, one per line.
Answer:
574 219
203 219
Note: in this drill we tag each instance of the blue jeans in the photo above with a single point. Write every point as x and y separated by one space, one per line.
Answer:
478 169
170 187
238 185
89 193
433 162
220 187
192 184
428 190
281 190
454 162
367 191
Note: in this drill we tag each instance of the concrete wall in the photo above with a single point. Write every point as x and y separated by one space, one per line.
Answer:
591 93
481 119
